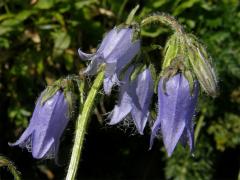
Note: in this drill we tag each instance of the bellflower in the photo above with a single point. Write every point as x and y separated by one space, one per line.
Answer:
134 99
116 51
42 136
176 107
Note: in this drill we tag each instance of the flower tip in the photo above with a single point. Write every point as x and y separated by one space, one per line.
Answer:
11 144
46 151
170 150
140 131
111 123
84 56
151 143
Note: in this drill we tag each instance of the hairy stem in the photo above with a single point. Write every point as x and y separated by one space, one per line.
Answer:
164 19
4 162
81 127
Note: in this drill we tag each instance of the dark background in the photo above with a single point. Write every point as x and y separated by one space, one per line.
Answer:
38 44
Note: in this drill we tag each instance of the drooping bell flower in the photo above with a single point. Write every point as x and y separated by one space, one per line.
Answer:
117 49
176 107
134 99
49 119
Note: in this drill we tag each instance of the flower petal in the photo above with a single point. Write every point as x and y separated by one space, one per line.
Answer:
127 56
84 56
107 41
189 115
124 106
118 43
171 112
175 112
92 68
141 93
122 109
109 82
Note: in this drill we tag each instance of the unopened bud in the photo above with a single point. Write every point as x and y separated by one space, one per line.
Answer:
202 66
184 53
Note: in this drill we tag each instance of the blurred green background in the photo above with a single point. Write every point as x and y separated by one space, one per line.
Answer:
38 44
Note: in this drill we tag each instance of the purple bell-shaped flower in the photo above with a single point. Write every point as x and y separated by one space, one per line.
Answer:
42 136
116 51
135 98
176 107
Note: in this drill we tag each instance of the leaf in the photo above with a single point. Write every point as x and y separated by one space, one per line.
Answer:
6 16
4 42
44 4
23 15
61 42
185 5
81 4
4 30
158 4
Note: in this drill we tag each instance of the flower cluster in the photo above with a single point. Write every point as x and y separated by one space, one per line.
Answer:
185 66
178 86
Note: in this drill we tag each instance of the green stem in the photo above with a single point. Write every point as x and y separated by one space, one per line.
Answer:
199 125
81 127
164 19
4 162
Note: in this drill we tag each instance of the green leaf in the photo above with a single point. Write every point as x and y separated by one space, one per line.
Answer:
6 16
185 5
158 4
61 42
44 4
81 4
4 42
23 15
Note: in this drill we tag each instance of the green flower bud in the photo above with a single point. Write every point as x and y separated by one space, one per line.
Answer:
202 66
184 53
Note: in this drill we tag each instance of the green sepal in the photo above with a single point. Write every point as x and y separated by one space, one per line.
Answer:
130 23
171 50
50 91
176 66
131 15
70 98
66 85
156 83
134 26
153 71
189 76
136 35
137 70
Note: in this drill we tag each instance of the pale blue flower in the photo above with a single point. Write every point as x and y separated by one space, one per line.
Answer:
116 51
135 98
42 136
176 108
